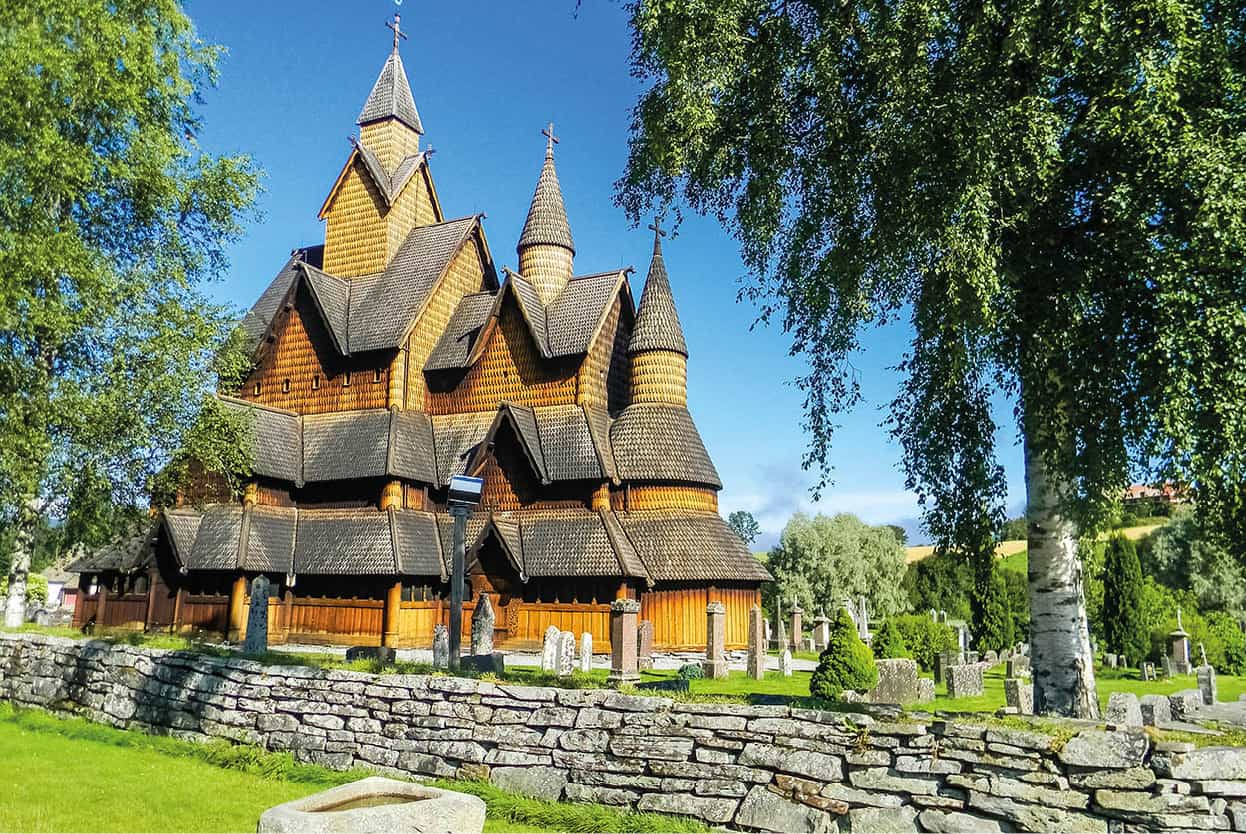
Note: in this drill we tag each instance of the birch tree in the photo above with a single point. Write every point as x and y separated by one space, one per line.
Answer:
1054 193
111 218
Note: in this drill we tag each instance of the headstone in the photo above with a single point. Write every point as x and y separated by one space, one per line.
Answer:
716 640
934 615
257 618
756 644
1156 711
549 650
494 663
780 636
1207 684
971 657
863 618
1019 695
384 654
925 690
821 632
785 663
1109 660
1179 649
441 647
1017 666
943 617
943 660
586 653
624 667
482 625
1148 671
1123 710
644 644
808 646
797 634
897 682
964 680
566 654
1185 704
991 657
43 617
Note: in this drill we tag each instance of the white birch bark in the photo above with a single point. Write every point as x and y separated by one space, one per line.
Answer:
19 570
1061 659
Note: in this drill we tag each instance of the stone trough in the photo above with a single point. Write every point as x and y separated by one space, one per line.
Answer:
378 804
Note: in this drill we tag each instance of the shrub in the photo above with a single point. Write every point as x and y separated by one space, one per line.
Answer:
924 637
691 672
845 663
36 588
993 619
1018 603
888 641
1124 630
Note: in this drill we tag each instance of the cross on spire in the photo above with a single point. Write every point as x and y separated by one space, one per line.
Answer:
656 226
397 27
551 139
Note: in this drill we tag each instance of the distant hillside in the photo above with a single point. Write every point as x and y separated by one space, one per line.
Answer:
1015 547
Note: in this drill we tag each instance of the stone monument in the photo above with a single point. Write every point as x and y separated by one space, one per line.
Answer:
1207 682
257 618
756 644
1019 695
586 652
482 626
644 644
441 647
1179 649
821 632
785 663
623 642
549 650
566 654
716 640
797 627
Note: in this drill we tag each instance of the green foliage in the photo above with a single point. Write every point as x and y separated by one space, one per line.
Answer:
1015 529
901 534
744 525
992 627
924 637
820 560
1182 555
1219 633
691 672
845 663
942 582
888 641
1124 630
36 588
1018 590
112 217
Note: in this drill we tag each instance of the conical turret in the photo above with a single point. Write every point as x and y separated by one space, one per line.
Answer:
389 124
546 250
657 348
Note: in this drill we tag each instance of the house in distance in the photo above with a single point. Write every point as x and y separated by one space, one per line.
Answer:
395 356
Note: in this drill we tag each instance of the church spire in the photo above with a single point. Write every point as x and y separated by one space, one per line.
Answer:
545 249
657 348
391 94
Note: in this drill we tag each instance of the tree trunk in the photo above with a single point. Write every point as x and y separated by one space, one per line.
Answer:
1063 665
23 551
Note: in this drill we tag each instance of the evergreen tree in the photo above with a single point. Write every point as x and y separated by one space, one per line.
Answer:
744 525
992 622
845 663
1124 629
889 641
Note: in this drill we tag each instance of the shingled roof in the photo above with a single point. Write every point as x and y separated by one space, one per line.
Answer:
257 320
682 547
657 322
547 216
391 97
661 443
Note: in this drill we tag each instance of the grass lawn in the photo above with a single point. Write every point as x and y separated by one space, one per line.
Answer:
70 775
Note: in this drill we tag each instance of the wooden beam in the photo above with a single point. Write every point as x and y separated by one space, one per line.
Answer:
236 619
393 604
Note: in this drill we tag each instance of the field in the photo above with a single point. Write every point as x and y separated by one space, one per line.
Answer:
1012 552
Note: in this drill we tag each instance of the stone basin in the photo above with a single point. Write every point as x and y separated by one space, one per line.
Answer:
378 804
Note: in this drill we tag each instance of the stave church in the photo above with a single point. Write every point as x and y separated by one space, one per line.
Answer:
396 355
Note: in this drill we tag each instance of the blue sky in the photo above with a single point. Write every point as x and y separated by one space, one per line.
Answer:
487 76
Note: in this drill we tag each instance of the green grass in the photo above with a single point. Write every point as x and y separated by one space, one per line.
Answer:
59 774
1018 562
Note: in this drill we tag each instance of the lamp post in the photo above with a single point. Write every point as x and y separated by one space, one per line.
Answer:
464 494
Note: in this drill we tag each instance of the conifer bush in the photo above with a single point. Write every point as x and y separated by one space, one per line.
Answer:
1124 626
845 663
889 641
993 629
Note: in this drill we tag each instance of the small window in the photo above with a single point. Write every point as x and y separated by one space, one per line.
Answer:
285 386
316 382
346 380
257 389
376 375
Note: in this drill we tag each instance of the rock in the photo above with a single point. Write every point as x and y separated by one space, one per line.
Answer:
897 682
785 663
1220 763
482 626
711 809
586 653
1156 710
809 763
1036 817
766 810
880 820
433 810
964 681
566 654
1136 778
879 779
1123 710
1101 749
441 647
955 822
1185 704
540 782
925 690
549 650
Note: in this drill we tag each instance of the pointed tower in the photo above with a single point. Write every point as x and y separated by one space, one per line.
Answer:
389 124
546 251
657 349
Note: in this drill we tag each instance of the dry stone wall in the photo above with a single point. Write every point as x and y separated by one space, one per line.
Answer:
771 768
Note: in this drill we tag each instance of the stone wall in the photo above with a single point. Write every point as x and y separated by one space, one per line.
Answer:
751 767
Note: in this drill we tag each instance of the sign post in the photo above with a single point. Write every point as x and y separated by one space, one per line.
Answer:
463 496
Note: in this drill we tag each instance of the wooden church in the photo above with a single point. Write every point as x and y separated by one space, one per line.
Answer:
394 356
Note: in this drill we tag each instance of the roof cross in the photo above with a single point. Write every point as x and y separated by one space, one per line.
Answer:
656 226
397 27
548 133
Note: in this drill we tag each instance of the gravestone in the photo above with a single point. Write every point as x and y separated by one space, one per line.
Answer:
441 647
821 632
566 654
1018 665
624 666
971 657
586 652
1185 704
716 640
1156 711
897 682
925 690
384 654
549 650
785 663
964 680
780 636
644 644
482 625
863 619
756 644
1109 660
991 657
1179 649
1148 671
1123 710
1207 684
257 618
1019 695
808 646
797 627
943 660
